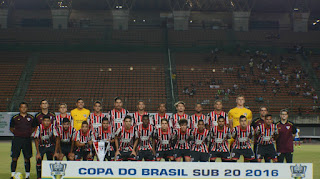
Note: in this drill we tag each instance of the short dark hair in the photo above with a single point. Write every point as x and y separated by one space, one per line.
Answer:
79 99
145 116
164 119
99 102
221 117
84 122
127 117
242 116
65 120
268 115
23 102
43 100
117 98
263 107
200 121
105 119
183 121
46 117
284 110
162 103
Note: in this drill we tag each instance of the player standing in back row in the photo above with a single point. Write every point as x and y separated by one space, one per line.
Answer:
215 114
197 116
79 114
95 118
44 106
117 114
156 122
137 116
180 107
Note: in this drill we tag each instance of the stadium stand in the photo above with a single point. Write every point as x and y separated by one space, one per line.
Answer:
11 66
65 76
200 76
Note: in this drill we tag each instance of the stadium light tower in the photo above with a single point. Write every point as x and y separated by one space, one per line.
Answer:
60 11
5 6
120 12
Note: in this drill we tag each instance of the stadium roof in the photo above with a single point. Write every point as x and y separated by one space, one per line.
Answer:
164 5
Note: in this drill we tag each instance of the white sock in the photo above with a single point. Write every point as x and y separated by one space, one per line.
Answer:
27 174
12 173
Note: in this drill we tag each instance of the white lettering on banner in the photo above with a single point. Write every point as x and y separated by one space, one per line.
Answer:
95 169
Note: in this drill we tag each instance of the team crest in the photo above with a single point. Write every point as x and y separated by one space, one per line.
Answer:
84 115
245 114
288 127
29 119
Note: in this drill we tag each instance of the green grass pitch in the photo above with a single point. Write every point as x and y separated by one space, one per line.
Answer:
306 154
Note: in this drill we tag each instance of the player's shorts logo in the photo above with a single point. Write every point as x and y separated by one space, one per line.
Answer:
298 170
58 170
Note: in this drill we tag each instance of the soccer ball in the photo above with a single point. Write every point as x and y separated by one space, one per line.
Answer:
18 175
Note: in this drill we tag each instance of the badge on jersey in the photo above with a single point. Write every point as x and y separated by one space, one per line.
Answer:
288 127
29 119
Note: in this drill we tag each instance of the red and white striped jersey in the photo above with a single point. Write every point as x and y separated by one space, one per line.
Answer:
116 117
164 139
104 135
156 120
47 135
195 118
84 138
126 138
183 139
137 118
266 135
219 139
242 137
145 135
200 140
95 120
66 136
59 120
213 118
175 120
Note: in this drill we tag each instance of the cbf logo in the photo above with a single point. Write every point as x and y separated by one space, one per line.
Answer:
298 171
58 170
